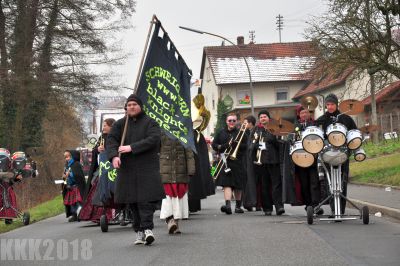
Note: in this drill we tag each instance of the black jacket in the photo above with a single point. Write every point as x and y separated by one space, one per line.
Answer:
271 154
222 138
328 118
139 177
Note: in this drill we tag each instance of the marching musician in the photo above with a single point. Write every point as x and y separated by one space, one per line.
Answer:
270 159
75 184
91 210
308 176
234 179
252 193
139 181
331 116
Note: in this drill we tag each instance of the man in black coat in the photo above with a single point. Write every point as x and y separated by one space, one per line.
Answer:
139 181
333 115
270 159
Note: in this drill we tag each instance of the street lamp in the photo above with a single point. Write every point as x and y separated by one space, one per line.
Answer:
241 53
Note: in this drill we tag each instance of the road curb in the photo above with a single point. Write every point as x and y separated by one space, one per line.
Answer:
373 208
374 185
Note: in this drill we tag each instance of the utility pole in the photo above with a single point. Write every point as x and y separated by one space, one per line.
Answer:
279 26
252 36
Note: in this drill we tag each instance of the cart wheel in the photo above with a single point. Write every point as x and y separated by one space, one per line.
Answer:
365 214
103 223
310 215
26 217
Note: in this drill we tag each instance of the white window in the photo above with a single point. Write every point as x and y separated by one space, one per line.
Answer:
282 94
243 97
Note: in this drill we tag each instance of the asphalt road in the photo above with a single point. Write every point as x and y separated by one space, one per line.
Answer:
209 238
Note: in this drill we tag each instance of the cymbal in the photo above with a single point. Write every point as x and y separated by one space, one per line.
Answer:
309 102
369 128
351 107
280 127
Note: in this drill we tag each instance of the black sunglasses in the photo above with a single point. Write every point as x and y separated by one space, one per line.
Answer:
231 120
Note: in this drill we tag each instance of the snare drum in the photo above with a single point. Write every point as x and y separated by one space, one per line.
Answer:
336 134
18 160
335 155
360 155
313 139
4 160
354 139
299 156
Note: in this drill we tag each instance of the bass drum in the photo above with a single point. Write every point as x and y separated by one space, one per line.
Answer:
335 156
360 155
299 156
336 134
313 139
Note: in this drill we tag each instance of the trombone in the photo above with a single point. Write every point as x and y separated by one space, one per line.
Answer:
230 152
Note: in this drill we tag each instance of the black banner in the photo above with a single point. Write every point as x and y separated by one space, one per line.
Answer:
164 88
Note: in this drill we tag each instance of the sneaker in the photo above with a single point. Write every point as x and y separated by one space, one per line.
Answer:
268 213
172 226
239 210
139 238
148 237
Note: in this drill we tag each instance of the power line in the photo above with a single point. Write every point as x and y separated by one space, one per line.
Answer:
279 27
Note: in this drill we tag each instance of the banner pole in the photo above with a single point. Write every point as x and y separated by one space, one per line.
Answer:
153 19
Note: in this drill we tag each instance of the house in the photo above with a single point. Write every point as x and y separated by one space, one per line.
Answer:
278 71
348 84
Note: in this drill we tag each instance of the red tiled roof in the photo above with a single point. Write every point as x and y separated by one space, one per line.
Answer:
325 81
383 92
267 62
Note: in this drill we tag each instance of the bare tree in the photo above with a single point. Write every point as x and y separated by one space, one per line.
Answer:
357 33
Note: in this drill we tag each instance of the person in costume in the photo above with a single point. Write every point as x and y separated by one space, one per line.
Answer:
177 166
138 163
74 184
232 181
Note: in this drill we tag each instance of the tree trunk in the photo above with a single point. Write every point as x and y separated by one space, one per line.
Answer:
374 116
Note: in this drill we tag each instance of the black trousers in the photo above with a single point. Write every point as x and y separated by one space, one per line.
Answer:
310 188
271 185
143 213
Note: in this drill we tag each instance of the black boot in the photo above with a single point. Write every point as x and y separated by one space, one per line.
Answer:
227 207
238 208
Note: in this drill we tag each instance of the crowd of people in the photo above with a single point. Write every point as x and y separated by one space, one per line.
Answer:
157 172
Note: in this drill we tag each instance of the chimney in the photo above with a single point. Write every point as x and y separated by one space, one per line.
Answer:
240 40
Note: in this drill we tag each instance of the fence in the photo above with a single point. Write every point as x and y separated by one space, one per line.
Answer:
389 125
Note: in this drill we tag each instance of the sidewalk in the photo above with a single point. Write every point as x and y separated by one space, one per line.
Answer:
376 198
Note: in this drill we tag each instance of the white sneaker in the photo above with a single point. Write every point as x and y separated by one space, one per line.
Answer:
139 238
148 237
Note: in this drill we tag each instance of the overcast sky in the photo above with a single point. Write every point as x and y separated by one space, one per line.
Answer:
229 18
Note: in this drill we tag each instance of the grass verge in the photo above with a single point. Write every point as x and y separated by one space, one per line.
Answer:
380 170
382 148
42 211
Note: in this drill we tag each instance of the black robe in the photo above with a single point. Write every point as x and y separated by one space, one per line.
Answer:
201 184
236 177
139 179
